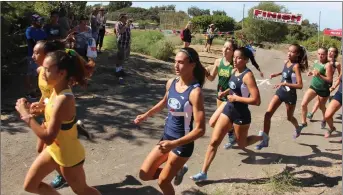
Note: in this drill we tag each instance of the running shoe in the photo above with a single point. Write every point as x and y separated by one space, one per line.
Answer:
199 177
309 115
59 182
297 132
264 143
179 176
231 142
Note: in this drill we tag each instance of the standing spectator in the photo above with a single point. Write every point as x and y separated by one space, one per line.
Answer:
187 35
63 21
33 34
102 29
82 34
210 33
95 24
72 21
53 29
123 32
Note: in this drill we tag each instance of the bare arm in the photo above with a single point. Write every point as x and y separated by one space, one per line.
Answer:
254 98
329 73
213 73
162 104
61 106
299 84
197 100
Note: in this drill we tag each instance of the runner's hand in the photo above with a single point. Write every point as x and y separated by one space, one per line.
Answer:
22 106
261 74
231 98
277 86
36 108
221 94
315 73
140 118
309 73
166 146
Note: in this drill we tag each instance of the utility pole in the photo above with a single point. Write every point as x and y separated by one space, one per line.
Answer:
243 16
319 28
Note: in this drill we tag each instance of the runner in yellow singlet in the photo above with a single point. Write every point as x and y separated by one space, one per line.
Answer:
64 151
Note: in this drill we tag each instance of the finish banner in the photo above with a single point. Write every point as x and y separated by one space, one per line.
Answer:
277 17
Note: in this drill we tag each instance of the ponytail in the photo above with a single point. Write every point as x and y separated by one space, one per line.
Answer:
302 58
199 71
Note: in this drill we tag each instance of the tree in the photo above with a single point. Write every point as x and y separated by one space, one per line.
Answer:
117 5
259 30
218 12
223 23
195 11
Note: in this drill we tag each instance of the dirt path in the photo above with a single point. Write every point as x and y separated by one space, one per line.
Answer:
114 158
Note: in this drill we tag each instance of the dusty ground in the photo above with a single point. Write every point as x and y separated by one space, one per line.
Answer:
114 158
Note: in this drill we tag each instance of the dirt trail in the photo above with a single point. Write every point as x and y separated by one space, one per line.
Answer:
114 158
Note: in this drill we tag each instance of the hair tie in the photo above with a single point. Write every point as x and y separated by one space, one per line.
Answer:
71 53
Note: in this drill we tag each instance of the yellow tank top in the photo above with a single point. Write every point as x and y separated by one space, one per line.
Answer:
66 149
45 89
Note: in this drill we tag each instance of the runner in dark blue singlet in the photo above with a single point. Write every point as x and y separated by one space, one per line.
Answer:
286 92
185 104
243 92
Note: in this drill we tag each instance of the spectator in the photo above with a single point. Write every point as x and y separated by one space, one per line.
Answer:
102 29
53 29
33 34
123 32
82 34
187 35
63 21
72 21
211 34
95 24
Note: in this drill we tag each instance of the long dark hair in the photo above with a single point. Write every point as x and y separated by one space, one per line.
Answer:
73 63
199 70
302 58
50 46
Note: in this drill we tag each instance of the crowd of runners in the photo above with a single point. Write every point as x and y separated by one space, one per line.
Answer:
61 68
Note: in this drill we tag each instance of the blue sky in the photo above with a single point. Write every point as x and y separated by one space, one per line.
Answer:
331 12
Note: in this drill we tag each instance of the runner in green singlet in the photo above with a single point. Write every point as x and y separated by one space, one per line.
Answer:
223 67
332 57
320 84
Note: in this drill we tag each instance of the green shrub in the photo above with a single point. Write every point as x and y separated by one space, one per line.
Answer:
312 43
162 50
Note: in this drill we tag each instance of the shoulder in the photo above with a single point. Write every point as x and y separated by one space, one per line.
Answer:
169 83
249 75
285 61
217 61
196 93
39 69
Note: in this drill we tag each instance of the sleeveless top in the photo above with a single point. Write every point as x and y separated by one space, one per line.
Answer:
318 83
288 76
179 121
45 89
237 87
66 150
224 73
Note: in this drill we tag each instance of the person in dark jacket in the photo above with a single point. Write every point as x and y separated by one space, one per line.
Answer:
187 35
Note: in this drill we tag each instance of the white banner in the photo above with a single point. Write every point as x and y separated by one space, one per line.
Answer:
277 17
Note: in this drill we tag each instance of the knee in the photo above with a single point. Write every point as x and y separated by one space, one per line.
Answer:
304 104
30 187
214 144
144 175
163 181
327 116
